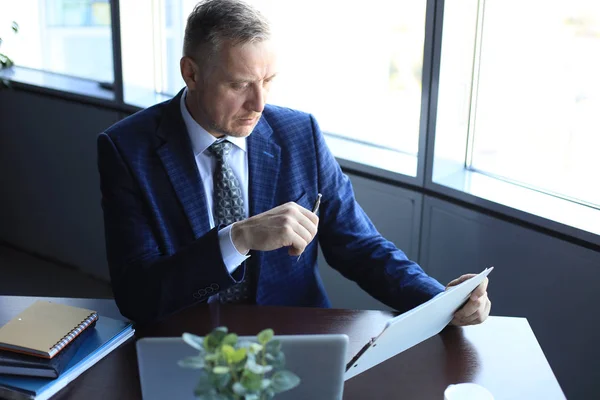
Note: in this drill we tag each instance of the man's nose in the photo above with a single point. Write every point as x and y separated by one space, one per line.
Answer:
256 101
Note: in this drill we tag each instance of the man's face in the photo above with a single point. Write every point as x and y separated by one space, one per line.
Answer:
229 98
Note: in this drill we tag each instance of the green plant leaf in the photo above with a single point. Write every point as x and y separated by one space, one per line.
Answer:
265 383
193 340
223 356
206 343
213 340
268 394
194 362
277 360
230 339
5 61
223 381
203 385
258 369
265 336
255 348
15 27
284 380
240 365
251 355
220 369
219 381
239 389
239 355
251 381
228 352
273 347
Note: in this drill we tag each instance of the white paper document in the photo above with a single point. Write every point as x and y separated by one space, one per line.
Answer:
414 326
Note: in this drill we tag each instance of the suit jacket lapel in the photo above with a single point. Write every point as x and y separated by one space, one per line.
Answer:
263 166
178 160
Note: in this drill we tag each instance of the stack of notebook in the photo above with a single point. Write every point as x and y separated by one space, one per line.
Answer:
49 344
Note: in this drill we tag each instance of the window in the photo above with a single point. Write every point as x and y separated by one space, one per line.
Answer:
358 69
521 81
516 129
517 121
537 119
71 37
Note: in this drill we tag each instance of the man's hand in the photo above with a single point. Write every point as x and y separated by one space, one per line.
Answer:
477 309
288 225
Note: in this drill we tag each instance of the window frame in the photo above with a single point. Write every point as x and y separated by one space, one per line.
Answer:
451 181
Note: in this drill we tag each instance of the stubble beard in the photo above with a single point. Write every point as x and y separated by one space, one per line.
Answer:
222 130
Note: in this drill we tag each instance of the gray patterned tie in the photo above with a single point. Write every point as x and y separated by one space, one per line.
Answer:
229 208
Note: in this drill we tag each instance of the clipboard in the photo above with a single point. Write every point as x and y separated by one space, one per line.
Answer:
414 326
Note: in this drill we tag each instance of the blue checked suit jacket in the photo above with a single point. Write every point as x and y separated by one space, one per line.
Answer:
162 254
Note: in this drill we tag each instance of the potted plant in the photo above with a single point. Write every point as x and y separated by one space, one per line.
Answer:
238 370
5 61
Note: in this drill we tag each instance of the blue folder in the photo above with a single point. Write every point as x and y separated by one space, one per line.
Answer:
108 334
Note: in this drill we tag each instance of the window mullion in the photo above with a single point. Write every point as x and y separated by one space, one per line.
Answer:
474 85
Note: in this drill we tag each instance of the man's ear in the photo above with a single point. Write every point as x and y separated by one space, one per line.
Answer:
189 72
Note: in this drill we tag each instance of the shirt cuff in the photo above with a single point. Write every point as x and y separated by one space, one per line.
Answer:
232 258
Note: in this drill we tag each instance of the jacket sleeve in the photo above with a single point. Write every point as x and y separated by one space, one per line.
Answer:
352 245
147 283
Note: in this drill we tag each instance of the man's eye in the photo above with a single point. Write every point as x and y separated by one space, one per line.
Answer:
239 85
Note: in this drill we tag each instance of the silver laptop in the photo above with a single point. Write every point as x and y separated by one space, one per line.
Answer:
319 361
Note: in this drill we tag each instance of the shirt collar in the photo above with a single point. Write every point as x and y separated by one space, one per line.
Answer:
200 138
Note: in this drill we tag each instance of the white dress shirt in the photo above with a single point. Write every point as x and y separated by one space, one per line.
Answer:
206 162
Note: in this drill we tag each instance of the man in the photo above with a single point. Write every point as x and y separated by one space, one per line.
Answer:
207 197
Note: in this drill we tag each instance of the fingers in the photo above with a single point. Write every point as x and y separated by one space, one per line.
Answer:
307 219
477 308
480 290
474 312
307 213
469 308
298 242
300 236
300 227
460 280
480 315
288 225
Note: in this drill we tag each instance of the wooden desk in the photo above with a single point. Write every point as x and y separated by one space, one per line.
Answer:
502 354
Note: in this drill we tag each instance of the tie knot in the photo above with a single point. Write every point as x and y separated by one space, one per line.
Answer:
220 149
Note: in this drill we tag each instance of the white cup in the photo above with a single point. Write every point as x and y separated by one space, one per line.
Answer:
467 391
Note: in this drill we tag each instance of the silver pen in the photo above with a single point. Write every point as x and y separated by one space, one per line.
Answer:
314 211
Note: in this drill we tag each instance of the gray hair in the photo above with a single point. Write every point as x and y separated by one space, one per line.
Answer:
215 21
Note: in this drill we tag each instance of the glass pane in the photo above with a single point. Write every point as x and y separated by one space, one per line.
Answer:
71 37
151 48
358 69
455 84
537 115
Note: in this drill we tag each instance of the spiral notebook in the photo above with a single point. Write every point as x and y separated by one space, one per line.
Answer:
13 363
45 328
